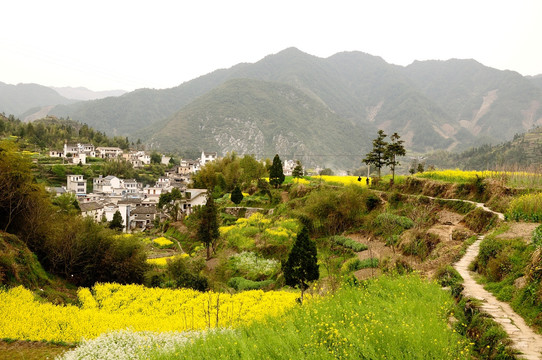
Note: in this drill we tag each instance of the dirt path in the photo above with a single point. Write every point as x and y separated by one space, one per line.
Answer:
523 337
480 205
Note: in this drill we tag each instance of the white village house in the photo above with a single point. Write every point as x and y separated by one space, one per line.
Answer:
207 157
76 184
108 152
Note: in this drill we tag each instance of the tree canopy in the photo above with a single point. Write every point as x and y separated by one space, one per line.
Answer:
302 264
208 232
297 173
117 223
385 153
236 195
394 149
377 156
276 173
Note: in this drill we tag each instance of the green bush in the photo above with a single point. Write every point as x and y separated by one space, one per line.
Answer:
489 248
185 273
421 245
448 276
372 202
330 211
242 284
349 243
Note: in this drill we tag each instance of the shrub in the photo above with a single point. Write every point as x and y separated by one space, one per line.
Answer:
356 264
489 248
349 243
186 274
330 211
242 284
396 198
421 244
448 276
372 202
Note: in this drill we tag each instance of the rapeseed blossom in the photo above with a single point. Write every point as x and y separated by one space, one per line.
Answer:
110 307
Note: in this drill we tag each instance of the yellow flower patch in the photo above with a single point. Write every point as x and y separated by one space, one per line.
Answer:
109 307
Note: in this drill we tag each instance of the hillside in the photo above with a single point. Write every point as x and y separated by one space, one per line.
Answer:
16 99
524 151
487 103
262 118
537 80
18 265
432 104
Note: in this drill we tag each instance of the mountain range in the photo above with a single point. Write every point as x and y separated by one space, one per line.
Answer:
324 110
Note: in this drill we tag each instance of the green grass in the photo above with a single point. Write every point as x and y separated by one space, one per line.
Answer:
385 318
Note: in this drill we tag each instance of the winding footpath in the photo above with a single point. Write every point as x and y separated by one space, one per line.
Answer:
523 337
480 205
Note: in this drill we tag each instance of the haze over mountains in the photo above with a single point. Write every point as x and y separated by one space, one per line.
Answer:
295 103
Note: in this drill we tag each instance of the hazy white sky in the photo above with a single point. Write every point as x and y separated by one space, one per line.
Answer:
117 44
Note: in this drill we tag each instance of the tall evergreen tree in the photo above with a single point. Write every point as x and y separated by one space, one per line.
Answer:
302 266
297 173
236 195
116 223
276 173
395 148
208 232
377 156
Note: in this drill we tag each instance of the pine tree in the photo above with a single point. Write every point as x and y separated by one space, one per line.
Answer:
394 149
297 173
236 195
301 266
276 173
116 223
377 156
208 232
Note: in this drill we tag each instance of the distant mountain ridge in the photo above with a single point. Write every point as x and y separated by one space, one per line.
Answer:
16 99
433 105
84 94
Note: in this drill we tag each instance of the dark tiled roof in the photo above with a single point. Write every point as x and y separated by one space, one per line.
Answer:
89 206
144 210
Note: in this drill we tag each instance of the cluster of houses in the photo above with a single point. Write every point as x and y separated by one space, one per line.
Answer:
78 154
136 203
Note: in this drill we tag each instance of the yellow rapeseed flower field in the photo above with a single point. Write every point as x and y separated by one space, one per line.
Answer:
162 241
109 307
162 261
344 180
511 178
